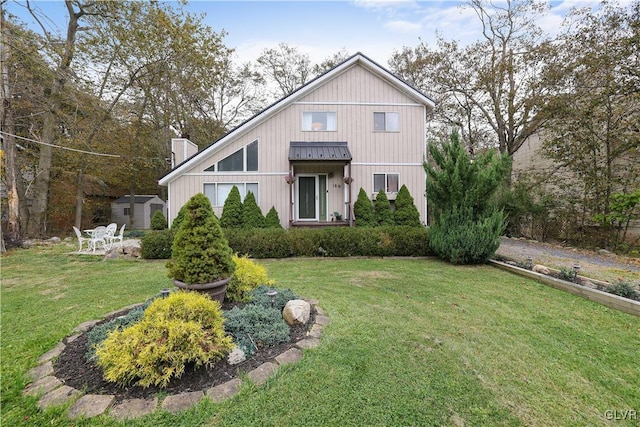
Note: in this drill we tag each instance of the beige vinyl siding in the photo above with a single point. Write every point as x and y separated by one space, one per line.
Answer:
354 95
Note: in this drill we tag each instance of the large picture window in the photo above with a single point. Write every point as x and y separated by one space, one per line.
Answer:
386 122
217 192
388 182
319 120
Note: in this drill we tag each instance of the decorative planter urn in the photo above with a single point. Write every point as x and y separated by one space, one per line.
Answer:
215 290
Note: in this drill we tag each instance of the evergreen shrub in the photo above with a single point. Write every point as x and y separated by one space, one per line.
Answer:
260 243
251 214
99 333
184 328
256 326
363 210
156 244
331 241
382 208
272 220
406 212
247 276
467 224
623 289
259 297
175 224
459 239
232 210
158 221
200 252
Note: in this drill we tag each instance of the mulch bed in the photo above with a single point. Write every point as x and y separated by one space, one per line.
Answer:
74 370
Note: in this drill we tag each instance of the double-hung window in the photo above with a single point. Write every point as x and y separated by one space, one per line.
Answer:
319 121
386 122
387 182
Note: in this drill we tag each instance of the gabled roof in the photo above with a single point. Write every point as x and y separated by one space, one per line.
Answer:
249 124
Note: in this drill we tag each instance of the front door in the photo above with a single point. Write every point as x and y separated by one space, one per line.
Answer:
312 203
307 198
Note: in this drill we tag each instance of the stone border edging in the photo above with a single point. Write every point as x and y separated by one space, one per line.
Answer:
610 300
54 392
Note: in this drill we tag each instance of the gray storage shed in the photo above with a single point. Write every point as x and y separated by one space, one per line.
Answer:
145 206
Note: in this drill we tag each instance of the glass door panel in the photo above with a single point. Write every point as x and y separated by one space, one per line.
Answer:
307 197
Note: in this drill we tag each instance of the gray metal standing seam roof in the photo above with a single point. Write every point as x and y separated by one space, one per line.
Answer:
319 151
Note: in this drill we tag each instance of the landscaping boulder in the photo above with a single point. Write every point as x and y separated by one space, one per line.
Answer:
296 312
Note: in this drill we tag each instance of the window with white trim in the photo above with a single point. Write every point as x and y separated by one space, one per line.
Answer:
388 182
386 122
217 192
243 160
319 120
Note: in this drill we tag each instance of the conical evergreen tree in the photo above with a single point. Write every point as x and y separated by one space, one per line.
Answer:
251 213
158 221
200 252
384 216
467 223
406 212
232 210
272 220
363 210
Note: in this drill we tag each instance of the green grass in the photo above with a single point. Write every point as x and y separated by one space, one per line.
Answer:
412 342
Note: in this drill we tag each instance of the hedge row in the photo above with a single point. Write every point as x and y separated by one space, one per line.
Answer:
308 242
334 241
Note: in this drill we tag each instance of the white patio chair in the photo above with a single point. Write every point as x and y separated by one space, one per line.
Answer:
118 236
81 239
98 236
110 233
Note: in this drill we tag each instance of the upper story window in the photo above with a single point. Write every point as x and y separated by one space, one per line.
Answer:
243 160
319 120
386 122
388 182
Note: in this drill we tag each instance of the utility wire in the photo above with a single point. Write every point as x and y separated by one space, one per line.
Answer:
93 153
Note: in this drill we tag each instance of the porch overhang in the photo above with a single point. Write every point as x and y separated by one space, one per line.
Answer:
334 152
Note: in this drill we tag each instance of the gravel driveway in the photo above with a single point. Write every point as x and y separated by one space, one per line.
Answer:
597 265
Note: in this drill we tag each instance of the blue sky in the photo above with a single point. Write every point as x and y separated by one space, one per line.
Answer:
322 28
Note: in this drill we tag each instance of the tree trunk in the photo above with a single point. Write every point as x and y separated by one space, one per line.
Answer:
36 225
79 195
9 142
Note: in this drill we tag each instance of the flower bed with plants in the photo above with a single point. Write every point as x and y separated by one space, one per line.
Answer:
255 326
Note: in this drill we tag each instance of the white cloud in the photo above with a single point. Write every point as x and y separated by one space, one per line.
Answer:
405 27
385 4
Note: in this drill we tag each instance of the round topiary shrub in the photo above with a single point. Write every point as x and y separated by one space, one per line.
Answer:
185 327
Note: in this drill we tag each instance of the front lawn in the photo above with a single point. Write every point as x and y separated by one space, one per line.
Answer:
412 342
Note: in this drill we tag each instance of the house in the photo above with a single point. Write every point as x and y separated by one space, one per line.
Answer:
531 164
144 208
355 126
